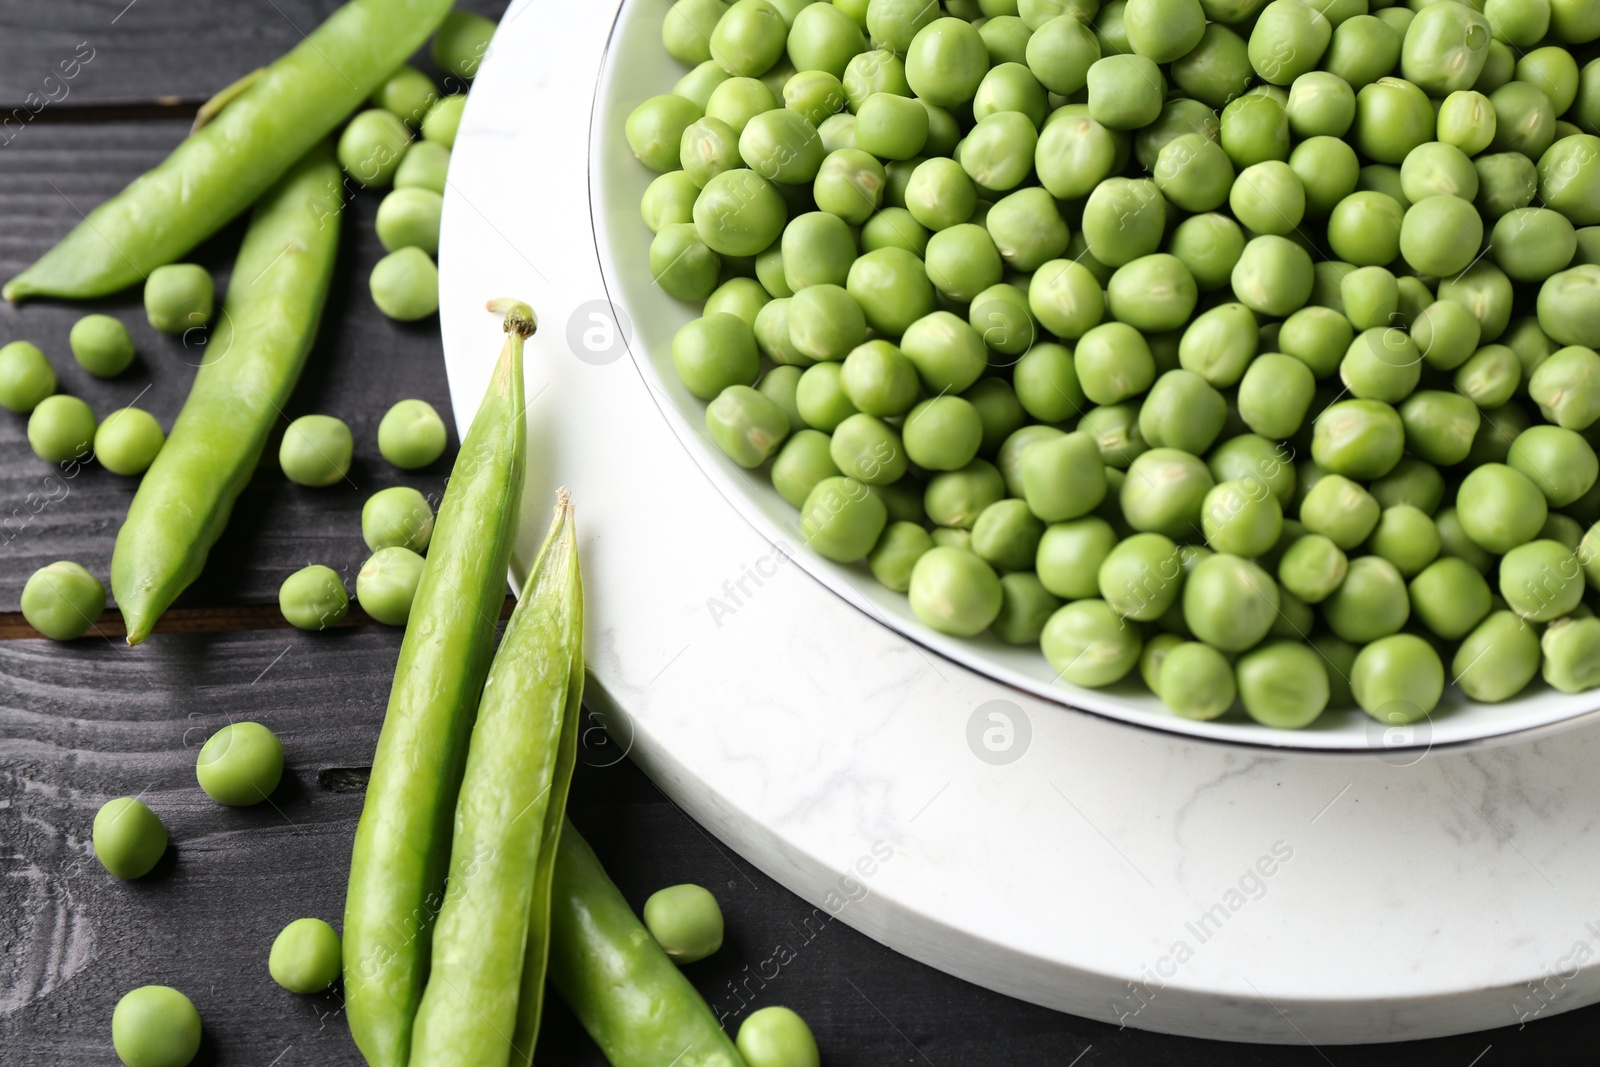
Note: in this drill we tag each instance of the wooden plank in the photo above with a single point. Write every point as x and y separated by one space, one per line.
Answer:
75 938
140 52
362 364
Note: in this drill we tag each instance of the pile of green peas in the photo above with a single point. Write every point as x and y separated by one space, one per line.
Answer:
378 150
1247 344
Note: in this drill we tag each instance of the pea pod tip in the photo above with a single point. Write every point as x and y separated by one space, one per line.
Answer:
519 317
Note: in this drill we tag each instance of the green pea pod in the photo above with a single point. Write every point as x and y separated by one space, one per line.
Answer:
633 1000
489 946
402 846
223 167
280 283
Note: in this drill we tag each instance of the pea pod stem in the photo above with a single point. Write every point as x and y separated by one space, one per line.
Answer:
629 996
402 845
251 365
489 946
225 165
223 97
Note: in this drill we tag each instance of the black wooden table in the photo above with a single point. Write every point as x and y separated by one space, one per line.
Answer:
83 722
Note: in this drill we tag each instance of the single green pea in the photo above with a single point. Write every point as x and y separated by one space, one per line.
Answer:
1450 597
26 377
897 552
1165 493
1025 609
743 297
411 435
1566 387
101 345
1370 603
957 498
714 352
1088 644
1142 577
1500 507
373 144
948 353
1483 289
1229 603
1559 461
962 261
1398 679
1362 50
407 93
1506 181
1116 433
155 1026
1365 227
1525 120
1383 363
1217 69
1283 684
1444 50
1075 153
1441 235
1124 219
129 838
1455 544
1407 538
399 515
1253 459
1319 337
1541 580
1062 477
654 129
1255 128
1066 298
405 285
1274 276
387 583
1497 659
314 598
1393 116
1340 510
955 592
127 441
841 519
316 451
1275 395
1182 411
1195 681
876 71
946 61
62 600
804 460
240 764
1312 567
1371 297
1241 518
777 1037
1193 172
867 449
668 200
1521 23
1571 650
178 297
685 921
305 957
820 397
461 43
1361 439
1467 122
1446 333
1070 555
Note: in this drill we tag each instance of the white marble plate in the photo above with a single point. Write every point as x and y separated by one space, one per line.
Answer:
971 818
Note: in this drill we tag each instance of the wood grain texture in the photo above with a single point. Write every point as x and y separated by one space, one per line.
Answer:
361 364
75 939
145 51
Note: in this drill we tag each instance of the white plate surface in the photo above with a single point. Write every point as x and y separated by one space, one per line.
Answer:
797 711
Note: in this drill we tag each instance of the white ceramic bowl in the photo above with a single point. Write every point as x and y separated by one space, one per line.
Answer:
637 67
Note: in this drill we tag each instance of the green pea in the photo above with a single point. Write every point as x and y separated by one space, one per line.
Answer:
387 583
101 345
1275 395
1393 116
314 598
737 101
407 92
897 552
1467 122
1283 684
685 921
1060 52
748 426
1398 679
1114 363
1070 555
823 37
1571 650
1525 121
129 838
1062 477
948 353
1483 289
1318 337
1124 219
1163 32
962 261
1498 659
1450 597
405 285
714 352
686 30
411 435
1341 510
1217 69
1182 411
1125 91
1522 23
1075 152
305 956
749 38
1407 538
1229 603
805 459
1253 459
1566 387
155 1026
1274 276
1025 609
178 297
1362 50
1445 48
62 600
240 764
946 61
1088 644
1066 298
1288 40
373 144
1441 235
1541 580
26 377
1506 181
777 1037
316 450
398 515
957 498
1255 128
1560 462
1046 383
1446 333
1165 493
1195 681
1312 567
127 441
1241 518
955 592
1360 439
424 166
1141 577
1370 603
1116 433
841 519
1500 507
1440 427
462 43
